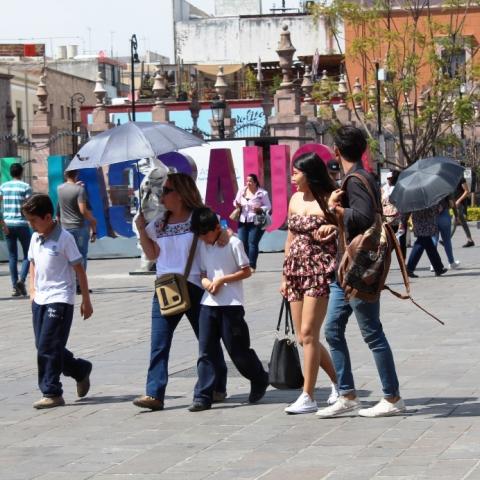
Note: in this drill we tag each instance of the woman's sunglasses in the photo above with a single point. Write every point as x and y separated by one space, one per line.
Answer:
167 190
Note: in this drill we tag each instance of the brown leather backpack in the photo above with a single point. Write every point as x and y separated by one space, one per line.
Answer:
366 259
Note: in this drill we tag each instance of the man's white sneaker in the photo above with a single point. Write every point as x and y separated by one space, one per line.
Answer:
454 265
342 405
333 397
383 408
303 404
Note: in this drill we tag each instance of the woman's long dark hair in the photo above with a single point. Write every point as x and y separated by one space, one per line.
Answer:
319 181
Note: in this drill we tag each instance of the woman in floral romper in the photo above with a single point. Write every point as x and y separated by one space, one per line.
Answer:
309 267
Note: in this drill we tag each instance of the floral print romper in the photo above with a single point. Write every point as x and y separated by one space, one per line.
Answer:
309 267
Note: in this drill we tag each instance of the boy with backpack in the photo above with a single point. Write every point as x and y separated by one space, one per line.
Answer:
54 261
222 313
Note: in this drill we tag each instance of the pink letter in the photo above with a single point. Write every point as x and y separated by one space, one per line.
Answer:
279 162
253 163
221 183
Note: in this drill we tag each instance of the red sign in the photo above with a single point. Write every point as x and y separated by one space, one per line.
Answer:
22 49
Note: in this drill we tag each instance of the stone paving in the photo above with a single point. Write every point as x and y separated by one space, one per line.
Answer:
104 437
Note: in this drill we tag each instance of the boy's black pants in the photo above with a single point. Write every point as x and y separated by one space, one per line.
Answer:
51 325
228 324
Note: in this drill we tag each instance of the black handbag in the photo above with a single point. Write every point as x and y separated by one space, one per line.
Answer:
284 369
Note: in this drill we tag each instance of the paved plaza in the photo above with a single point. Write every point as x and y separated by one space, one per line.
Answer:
104 437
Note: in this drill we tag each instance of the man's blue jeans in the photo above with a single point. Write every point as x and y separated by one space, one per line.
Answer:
82 237
22 235
250 235
161 341
368 319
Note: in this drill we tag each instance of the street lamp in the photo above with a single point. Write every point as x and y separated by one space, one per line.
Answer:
80 99
133 60
218 108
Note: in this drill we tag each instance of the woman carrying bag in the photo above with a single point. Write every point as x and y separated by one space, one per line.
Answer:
169 241
309 267
253 206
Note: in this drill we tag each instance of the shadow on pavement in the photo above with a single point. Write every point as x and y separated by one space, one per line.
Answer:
99 399
444 407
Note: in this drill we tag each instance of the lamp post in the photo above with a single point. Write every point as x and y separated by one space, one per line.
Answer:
133 60
218 108
80 99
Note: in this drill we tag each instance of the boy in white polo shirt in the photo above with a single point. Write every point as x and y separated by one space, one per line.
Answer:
222 313
54 260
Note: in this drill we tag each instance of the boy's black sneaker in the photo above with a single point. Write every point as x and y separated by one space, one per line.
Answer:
257 391
441 272
197 406
470 243
21 288
411 274
83 386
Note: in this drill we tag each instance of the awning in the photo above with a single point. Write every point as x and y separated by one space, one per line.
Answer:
213 69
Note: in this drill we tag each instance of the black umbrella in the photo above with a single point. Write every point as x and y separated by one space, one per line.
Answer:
425 183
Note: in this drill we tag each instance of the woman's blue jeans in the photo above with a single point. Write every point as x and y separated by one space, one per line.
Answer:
161 341
23 235
250 235
444 222
368 319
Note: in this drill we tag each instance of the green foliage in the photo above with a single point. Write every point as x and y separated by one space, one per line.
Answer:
473 214
276 81
250 83
420 46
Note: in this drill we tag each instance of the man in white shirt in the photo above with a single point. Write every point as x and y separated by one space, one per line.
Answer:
222 313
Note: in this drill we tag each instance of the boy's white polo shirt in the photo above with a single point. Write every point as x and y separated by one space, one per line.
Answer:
53 257
218 261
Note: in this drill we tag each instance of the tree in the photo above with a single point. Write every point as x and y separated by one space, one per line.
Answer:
430 63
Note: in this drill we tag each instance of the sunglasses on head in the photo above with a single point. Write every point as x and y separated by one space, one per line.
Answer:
167 190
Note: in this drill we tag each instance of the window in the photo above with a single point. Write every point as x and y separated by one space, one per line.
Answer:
19 118
454 63
62 112
69 117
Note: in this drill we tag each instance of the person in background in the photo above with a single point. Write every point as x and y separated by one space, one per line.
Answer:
444 223
392 216
15 227
425 227
462 195
308 269
73 213
253 200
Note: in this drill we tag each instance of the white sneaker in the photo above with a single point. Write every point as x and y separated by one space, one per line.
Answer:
303 404
432 269
454 265
342 405
383 408
333 397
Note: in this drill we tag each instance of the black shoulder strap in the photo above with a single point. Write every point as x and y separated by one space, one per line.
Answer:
188 266
288 318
